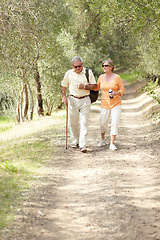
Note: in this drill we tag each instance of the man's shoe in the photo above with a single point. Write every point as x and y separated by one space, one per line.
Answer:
101 143
112 147
83 149
75 145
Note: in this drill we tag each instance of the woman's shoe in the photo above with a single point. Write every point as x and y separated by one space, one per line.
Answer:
112 147
101 143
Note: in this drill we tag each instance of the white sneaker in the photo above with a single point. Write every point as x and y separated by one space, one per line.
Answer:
101 143
112 147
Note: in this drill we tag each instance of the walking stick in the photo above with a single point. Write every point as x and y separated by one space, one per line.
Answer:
66 124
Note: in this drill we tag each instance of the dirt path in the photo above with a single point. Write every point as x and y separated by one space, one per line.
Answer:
101 195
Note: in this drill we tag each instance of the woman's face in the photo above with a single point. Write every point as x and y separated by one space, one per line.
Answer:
106 67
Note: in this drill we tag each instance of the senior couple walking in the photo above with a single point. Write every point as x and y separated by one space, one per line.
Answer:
79 102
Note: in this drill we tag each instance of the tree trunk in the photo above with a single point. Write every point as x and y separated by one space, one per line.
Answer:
49 107
18 110
21 105
31 102
39 101
40 110
18 113
25 102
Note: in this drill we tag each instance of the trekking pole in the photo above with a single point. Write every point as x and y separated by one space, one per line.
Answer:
66 124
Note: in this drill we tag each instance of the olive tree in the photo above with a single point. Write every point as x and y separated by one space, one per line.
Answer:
28 33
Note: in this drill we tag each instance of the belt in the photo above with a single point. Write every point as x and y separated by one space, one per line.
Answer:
79 97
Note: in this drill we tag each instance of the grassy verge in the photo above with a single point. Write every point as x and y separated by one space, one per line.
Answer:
5 123
4 119
130 77
24 159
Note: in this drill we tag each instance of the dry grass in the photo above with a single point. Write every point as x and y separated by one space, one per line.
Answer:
25 150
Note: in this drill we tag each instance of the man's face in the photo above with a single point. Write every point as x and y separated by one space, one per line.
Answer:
78 66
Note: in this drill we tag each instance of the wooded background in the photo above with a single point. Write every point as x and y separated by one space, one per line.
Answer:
38 39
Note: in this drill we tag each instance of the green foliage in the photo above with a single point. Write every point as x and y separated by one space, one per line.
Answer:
5 123
28 33
149 51
7 166
6 104
66 41
133 29
155 117
130 77
151 90
4 119
4 128
52 69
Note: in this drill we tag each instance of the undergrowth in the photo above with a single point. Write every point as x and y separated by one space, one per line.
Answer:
23 162
5 123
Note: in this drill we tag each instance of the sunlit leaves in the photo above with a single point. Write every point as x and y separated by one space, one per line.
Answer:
28 32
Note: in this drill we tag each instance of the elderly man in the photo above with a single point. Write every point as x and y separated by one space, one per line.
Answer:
78 101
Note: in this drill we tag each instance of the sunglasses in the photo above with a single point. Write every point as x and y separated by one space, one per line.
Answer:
105 65
77 66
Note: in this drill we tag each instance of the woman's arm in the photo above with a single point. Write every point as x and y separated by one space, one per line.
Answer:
87 86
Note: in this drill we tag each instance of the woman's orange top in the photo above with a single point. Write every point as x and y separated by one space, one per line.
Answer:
116 85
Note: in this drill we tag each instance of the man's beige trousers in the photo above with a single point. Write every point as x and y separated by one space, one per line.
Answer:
78 116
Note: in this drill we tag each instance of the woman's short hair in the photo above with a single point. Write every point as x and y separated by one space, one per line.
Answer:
76 59
110 62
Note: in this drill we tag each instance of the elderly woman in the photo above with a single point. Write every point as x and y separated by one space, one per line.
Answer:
112 90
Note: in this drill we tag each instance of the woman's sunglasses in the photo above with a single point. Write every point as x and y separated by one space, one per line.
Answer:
105 65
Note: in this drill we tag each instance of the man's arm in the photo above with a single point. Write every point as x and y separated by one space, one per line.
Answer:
87 86
90 86
63 93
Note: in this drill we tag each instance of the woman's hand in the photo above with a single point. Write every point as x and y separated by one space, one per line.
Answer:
113 94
